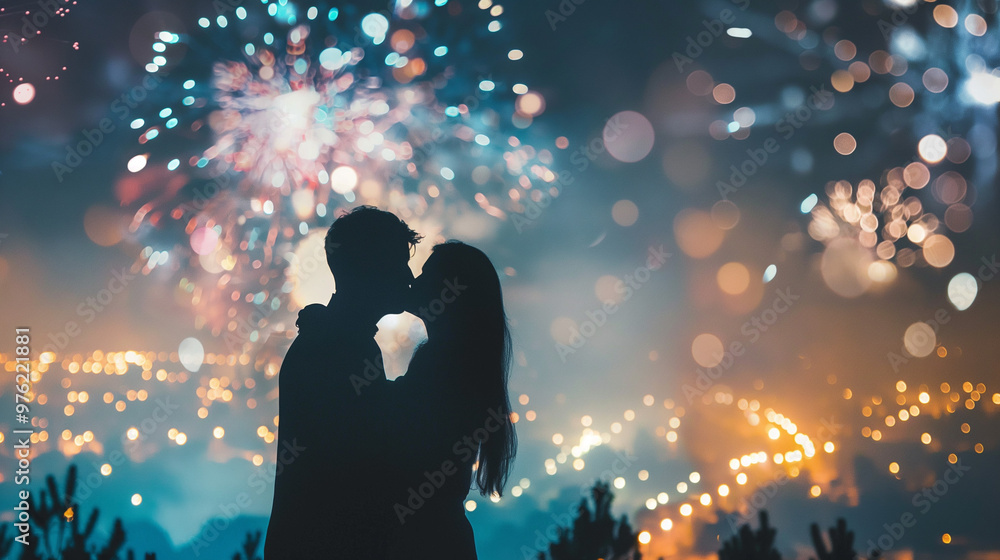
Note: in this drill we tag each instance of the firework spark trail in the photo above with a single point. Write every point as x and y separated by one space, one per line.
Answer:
313 123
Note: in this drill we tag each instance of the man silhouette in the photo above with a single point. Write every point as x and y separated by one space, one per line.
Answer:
328 498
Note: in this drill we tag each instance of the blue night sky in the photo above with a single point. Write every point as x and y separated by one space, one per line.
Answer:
747 252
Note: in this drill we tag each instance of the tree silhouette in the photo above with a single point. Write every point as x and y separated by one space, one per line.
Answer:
759 545
841 543
250 547
56 519
5 543
595 535
57 532
751 545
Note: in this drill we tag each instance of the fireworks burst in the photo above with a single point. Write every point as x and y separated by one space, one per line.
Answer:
893 99
869 227
28 47
309 119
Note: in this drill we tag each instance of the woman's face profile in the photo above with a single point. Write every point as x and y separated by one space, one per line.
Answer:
427 286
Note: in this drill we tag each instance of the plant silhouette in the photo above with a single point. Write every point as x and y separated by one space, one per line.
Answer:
759 545
751 545
595 534
841 542
250 546
5 543
58 533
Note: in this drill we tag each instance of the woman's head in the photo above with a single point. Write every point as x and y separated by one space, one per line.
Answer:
458 289
458 296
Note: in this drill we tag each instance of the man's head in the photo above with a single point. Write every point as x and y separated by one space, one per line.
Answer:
368 250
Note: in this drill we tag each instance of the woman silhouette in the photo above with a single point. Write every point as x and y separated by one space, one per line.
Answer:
453 414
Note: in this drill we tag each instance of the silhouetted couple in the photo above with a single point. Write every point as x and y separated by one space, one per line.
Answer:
369 468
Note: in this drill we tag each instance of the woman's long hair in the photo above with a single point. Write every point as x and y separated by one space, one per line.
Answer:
476 318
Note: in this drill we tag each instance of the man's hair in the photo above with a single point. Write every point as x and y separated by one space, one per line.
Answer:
365 231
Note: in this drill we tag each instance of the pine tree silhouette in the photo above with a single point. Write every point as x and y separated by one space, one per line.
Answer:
250 547
751 545
595 535
56 520
57 534
841 543
759 545
5 543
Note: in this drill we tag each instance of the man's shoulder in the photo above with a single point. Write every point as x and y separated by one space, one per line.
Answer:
332 350
315 317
